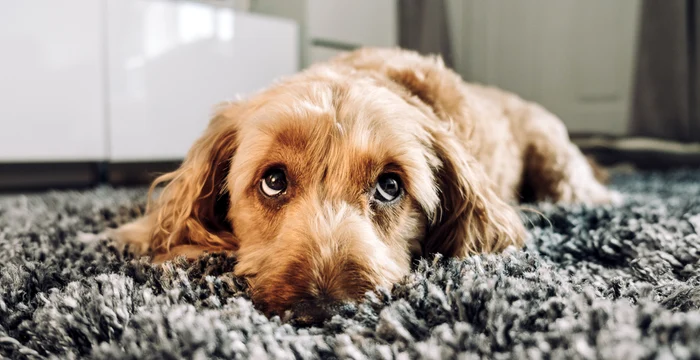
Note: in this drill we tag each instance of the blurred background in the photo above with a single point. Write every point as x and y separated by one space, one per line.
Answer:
113 91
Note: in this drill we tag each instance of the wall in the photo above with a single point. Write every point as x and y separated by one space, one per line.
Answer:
575 57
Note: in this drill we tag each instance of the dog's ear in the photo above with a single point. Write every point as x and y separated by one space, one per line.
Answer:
435 85
471 218
192 206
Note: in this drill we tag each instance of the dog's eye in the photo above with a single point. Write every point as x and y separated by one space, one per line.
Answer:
388 187
273 183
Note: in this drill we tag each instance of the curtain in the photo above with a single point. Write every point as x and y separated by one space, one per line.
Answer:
666 98
423 27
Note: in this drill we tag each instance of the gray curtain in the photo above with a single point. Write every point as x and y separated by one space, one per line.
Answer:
423 27
667 81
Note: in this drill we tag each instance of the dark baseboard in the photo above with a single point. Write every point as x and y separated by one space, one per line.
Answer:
137 173
642 153
42 176
28 177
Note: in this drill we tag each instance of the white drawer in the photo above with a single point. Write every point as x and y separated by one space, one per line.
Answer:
353 22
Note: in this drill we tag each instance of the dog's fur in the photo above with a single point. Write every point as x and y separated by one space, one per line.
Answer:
464 153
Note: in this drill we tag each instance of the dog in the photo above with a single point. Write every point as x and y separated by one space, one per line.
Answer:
327 184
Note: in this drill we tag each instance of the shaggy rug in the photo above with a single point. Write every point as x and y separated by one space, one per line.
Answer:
593 282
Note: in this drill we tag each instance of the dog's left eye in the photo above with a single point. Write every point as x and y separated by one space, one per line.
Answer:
388 187
273 183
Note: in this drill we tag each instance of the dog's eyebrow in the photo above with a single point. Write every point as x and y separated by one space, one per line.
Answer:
293 138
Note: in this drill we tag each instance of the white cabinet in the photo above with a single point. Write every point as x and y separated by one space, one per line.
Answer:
127 80
171 62
51 81
574 57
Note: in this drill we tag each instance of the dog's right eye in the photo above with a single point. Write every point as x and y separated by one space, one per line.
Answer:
273 183
388 188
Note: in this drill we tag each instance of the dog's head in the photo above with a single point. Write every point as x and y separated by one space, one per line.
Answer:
326 186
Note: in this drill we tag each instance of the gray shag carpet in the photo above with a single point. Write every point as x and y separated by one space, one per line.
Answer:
594 282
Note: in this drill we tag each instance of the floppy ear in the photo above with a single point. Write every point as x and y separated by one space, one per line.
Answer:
471 217
191 209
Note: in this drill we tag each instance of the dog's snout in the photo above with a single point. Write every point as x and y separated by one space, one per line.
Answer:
312 312
336 257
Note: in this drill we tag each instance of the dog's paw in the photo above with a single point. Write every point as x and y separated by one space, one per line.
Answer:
589 193
616 198
90 240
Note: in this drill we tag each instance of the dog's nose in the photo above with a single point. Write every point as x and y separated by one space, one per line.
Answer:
307 313
312 312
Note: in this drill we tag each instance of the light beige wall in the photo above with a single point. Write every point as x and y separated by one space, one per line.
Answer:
575 57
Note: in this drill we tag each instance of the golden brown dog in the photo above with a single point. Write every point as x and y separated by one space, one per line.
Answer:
328 183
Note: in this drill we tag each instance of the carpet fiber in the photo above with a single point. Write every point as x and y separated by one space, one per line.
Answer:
593 282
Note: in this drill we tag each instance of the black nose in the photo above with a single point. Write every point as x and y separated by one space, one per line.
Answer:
315 312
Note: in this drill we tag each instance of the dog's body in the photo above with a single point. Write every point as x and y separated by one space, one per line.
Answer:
328 183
